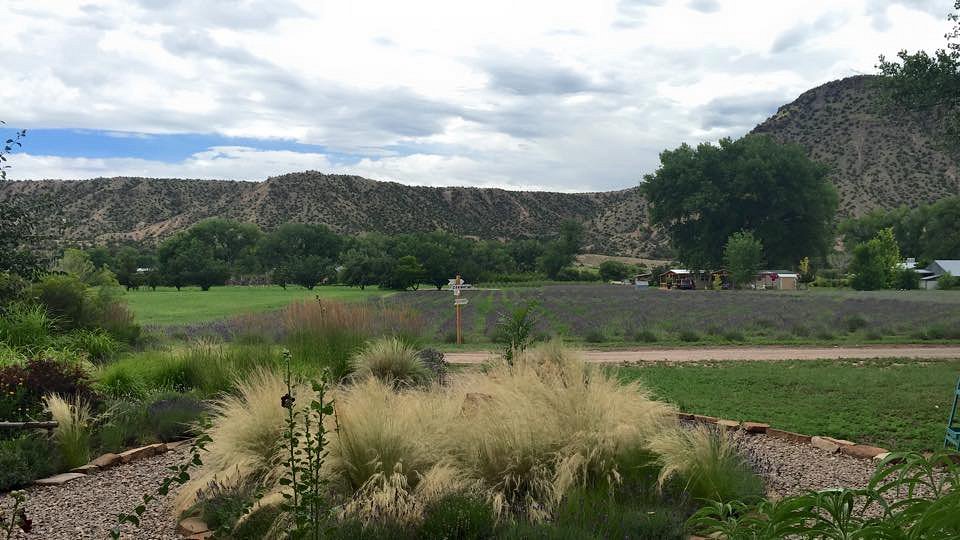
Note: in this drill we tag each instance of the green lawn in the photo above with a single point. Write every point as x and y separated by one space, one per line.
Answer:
166 305
896 404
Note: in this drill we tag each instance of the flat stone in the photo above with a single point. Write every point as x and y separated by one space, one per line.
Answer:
106 460
59 479
89 468
862 451
825 444
881 457
755 427
705 419
143 452
684 416
191 526
789 436
840 442
728 425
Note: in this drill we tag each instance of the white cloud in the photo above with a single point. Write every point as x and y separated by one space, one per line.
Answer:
554 95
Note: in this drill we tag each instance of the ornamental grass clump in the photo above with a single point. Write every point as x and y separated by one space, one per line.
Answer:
393 362
72 433
706 465
520 437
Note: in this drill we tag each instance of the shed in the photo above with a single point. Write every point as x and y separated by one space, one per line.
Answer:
777 279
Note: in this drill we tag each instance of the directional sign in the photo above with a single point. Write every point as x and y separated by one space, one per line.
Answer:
460 301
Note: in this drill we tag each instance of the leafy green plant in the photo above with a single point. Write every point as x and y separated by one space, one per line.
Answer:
910 496
514 329
306 439
97 344
24 459
688 335
26 325
646 335
458 516
18 516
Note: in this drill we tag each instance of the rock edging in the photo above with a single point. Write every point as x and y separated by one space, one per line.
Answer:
827 444
109 460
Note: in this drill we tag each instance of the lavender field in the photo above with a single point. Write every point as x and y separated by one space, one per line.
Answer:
611 313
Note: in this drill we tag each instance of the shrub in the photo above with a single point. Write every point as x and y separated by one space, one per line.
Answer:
646 335
514 329
595 335
12 288
23 387
907 279
172 417
948 282
73 429
826 334
393 362
122 425
24 459
119 382
800 330
26 325
706 464
734 335
688 335
65 299
97 344
855 322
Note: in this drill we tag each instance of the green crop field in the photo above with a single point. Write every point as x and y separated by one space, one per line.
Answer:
166 305
895 404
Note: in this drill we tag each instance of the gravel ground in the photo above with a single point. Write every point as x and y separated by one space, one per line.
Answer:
790 468
87 508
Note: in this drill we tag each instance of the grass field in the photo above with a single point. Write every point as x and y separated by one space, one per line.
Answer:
895 404
167 306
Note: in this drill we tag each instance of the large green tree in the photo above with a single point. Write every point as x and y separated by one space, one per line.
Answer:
562 251
700 196
924 82
207 253
875 263
300 253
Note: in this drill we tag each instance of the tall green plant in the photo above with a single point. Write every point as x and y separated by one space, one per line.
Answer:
515 329
306 451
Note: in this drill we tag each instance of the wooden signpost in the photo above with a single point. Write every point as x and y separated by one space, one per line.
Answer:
457 284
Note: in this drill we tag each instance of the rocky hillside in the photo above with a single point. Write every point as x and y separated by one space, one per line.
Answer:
117 209
880 156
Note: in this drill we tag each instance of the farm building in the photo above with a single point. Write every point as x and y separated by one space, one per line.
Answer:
777 279
931 274
678 278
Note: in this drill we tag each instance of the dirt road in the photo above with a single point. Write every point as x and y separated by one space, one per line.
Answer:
696 354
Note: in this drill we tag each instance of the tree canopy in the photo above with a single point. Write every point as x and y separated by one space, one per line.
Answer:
700 196
743 257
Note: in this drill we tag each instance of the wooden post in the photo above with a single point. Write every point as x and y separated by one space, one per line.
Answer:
457 306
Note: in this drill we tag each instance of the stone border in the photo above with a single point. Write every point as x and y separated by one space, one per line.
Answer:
827 444
109 460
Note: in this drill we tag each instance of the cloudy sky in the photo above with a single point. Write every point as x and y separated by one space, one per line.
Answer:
519 94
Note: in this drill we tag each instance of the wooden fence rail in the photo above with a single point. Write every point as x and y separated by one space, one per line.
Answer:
28 425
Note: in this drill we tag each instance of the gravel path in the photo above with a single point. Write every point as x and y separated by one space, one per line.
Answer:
87 508
697 354
790 468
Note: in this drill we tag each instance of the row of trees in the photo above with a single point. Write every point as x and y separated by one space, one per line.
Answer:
214 251
927 233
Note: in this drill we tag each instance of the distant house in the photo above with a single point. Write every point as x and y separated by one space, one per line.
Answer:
777 279
677 278
930 276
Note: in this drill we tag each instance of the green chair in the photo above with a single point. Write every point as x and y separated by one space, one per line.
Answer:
952 440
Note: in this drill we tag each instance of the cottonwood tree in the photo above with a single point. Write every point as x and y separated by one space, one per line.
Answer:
922 81
876 262
700 196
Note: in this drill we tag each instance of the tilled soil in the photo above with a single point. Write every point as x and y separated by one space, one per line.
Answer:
87 508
